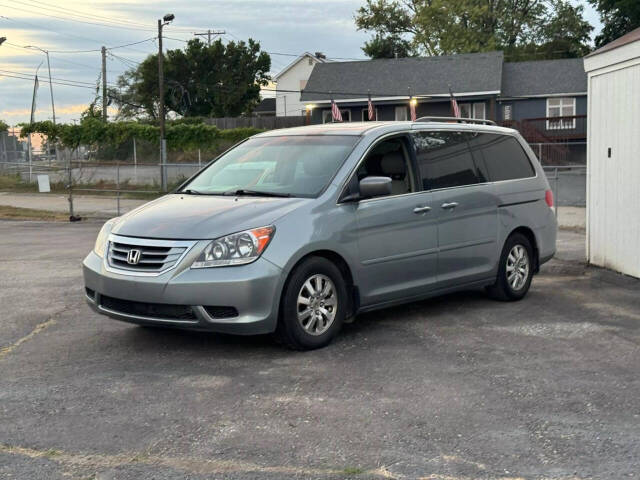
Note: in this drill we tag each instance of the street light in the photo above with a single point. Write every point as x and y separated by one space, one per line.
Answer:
168 18
46 52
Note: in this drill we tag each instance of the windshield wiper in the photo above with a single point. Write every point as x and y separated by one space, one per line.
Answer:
256 193
191 191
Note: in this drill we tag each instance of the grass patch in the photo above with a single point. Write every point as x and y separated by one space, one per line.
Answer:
13 183
352 471
52 453
16 213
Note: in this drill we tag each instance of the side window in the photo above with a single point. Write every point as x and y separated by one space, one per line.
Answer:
445 160
389 159
501 157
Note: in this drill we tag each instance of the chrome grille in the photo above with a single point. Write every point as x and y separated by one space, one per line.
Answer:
154 257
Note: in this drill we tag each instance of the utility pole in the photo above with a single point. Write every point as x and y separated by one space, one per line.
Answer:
163 142
53 106
46 52
209 33
104 84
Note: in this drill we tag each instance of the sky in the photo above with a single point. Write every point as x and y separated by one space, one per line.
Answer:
284 28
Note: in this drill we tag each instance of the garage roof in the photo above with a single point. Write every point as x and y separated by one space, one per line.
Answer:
632 36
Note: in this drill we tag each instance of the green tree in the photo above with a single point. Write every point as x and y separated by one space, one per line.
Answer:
562 33
201 80
391 46
3 126
618 17
437 27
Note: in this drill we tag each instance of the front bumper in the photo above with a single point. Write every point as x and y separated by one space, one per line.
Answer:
253 290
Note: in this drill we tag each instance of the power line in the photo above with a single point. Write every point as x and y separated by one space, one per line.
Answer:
90 16
90 50
79 82
71 19
40 27
133 43
109 94
58 59
45 80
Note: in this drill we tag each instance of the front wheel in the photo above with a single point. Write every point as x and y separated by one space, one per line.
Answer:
313 305
515 270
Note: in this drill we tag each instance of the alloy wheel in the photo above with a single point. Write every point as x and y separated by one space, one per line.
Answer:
517 267
317 304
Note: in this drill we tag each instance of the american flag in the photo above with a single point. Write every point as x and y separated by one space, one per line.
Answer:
335 112
455 109
372 112
412 108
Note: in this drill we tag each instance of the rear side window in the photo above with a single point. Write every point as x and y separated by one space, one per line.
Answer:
445 160
500 157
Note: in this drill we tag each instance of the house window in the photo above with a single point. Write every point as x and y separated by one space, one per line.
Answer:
327 118
479 111
473 110
401 114
365 114
465 110
561 107
507 114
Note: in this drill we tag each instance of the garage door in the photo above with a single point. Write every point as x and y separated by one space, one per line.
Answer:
614 170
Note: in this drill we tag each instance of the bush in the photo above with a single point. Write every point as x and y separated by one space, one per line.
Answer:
185 136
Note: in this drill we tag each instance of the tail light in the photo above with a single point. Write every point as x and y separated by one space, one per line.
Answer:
548 197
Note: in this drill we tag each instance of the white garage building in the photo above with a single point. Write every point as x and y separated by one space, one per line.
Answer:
613 155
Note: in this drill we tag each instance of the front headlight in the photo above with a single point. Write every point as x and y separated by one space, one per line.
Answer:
235 249
103 236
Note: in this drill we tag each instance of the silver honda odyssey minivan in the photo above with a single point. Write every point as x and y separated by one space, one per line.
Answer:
296 231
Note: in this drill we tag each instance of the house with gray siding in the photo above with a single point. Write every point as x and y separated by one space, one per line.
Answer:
545 100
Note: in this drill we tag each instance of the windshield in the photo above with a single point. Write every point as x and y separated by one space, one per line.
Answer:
296 166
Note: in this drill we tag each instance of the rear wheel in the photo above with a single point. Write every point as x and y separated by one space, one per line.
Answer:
313 305
515 270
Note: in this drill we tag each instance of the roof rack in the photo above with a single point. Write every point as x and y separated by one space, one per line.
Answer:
457 120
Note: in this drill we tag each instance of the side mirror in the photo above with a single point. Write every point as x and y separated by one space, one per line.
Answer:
375 187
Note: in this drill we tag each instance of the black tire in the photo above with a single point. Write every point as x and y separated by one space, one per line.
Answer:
503 288
290 331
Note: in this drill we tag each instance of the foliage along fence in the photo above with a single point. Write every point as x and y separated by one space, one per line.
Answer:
266 123
180 136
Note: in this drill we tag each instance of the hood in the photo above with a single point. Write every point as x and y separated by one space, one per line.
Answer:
196 217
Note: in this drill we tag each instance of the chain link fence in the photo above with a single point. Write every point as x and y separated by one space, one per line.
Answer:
129 174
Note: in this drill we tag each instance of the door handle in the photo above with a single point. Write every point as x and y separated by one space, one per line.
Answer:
449 206
421 209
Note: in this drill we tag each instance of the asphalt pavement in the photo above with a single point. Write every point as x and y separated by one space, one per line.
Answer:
458 387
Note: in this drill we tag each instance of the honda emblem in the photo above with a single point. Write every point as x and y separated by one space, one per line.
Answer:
133 257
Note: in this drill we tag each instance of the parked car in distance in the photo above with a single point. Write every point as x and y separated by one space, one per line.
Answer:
296 231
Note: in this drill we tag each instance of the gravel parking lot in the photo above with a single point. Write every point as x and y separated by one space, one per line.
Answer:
459 387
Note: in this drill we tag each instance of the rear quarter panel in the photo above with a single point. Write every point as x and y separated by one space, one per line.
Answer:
521 203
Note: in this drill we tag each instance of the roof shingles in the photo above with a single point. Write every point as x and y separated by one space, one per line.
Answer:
466 73
543 77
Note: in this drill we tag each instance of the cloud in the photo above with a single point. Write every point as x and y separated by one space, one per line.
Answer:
284 26
40 112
